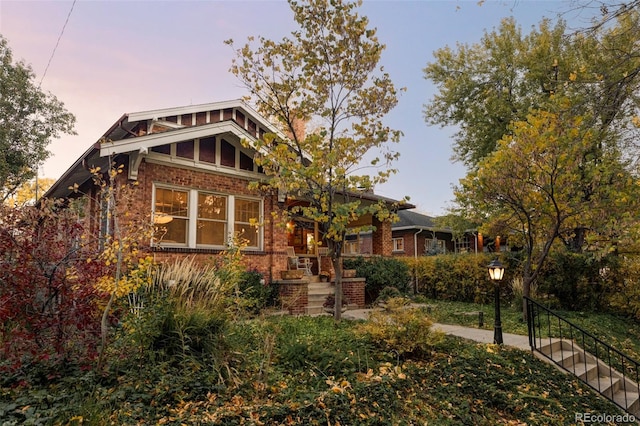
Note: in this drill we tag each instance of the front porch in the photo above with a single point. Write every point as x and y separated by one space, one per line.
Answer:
306 296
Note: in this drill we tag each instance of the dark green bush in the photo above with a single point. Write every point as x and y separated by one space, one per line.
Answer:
575 280
462 278
380 272
387 293
256 294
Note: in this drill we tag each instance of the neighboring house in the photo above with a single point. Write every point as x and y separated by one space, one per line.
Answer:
193 174
416 234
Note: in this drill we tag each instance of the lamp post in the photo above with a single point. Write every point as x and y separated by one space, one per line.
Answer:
496 271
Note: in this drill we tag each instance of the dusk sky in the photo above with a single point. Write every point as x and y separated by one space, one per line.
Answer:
118 57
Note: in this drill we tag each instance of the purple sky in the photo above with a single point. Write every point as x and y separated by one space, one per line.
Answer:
119 57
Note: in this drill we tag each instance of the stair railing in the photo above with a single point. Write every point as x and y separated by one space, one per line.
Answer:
547 327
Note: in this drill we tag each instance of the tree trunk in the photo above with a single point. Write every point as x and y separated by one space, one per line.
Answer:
337 267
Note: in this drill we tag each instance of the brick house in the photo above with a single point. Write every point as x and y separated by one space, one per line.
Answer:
192 174
416 234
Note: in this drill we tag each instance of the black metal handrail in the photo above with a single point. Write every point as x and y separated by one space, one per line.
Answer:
546 326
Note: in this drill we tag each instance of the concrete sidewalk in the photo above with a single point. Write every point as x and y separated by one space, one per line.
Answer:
476 334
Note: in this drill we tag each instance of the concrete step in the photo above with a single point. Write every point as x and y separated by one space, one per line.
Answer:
585 370
563 354
630 400
606 385
597 374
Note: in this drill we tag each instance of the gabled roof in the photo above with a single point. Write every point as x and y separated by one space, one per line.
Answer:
129 135
137 133
414 220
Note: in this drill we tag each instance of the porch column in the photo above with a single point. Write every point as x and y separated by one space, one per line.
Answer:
381 238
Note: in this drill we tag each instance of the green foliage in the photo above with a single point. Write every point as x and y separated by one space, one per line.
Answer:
575 280
454 277
326 74
345 381
596 69
380 272
184 315
401 329
255 294
29 120
623 286
388 293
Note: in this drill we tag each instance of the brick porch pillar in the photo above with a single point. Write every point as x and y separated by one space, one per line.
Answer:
382 243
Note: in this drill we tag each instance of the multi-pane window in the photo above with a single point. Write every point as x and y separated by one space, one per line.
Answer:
209 151
212 219
463 245
247 213
171 213
434 246
193 218
351 247
398 244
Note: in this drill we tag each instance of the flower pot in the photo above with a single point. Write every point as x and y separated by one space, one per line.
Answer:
349 273
294 274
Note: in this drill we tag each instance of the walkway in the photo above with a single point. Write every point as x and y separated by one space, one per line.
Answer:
476 334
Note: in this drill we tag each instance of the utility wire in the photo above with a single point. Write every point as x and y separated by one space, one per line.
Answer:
57 43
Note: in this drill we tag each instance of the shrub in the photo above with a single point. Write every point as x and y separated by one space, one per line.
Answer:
574 278
49 316
402 330
380 272
388 293
187 314
461 278
255 293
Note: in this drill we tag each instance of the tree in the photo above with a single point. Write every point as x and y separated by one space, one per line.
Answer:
29 119
530 187
29 192
325 74
486 86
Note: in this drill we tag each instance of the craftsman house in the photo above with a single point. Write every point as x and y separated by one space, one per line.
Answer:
415 234
192 174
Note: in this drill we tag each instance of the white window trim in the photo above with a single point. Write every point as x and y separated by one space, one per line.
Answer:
192 217
395 245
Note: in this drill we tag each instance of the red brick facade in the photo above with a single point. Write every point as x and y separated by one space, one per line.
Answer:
198 151
268 261
353 290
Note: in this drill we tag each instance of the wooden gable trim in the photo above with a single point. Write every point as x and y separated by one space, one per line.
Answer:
143 143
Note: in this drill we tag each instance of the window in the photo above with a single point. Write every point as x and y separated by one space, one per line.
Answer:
246 162
212 219
192 218
351 247
434 246
173 205
227 154
398 244
208 150
463 245
185 149
247 212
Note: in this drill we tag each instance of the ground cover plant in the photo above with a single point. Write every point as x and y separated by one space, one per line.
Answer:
619 331
310 370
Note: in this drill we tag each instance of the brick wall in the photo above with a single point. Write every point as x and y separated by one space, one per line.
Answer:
268 261
381 243
353 289
294 295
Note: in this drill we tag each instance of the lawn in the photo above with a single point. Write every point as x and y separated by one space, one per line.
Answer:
618 331
287 371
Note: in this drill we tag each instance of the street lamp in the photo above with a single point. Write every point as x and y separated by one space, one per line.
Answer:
496 271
